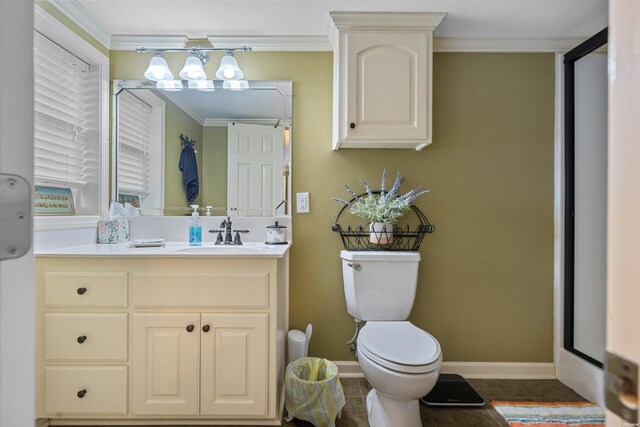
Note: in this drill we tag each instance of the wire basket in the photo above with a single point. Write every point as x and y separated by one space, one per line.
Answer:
401 238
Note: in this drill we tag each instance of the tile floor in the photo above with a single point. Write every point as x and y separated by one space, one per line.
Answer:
355 390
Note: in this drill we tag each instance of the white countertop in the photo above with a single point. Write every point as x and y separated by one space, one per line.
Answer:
174 249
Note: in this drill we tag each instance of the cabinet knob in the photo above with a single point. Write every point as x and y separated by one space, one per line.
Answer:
352 125
81 291
206 328
81 393
190 328
82 339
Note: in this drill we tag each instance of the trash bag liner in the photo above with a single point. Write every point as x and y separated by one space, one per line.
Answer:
313 391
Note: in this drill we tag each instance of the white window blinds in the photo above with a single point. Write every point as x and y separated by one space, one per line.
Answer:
135 127
66 147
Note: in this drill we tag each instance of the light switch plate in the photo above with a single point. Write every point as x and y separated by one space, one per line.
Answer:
302 202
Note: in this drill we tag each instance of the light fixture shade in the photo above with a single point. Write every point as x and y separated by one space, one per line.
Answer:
229 69
169 85
235 84
158 69
203 85
192 69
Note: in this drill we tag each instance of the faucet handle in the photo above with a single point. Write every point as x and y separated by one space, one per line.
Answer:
219 238
236 239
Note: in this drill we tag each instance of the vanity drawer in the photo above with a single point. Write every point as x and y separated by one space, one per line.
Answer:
90 390
79 336
241 290
62 289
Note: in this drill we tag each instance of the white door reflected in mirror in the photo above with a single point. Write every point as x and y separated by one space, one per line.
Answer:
255 184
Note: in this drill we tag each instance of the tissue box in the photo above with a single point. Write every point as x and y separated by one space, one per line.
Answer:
113 231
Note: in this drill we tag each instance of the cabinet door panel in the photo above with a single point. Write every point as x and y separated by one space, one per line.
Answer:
234 362
165 364
387 85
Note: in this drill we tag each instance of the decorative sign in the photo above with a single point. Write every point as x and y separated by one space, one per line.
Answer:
133 200
52 201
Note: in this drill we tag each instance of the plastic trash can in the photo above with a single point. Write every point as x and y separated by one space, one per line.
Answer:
313 391
298 343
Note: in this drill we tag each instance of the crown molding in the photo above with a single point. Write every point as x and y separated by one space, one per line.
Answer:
502 44
273 43
387 20
131 42
73 10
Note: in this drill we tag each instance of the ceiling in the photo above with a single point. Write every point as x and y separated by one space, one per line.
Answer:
465 18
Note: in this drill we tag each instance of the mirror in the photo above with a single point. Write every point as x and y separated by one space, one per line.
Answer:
241 142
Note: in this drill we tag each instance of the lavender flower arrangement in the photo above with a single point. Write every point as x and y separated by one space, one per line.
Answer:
387 207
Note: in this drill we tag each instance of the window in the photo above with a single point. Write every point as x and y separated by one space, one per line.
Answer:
139 170
70 120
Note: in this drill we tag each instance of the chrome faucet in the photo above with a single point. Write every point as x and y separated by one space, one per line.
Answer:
226 229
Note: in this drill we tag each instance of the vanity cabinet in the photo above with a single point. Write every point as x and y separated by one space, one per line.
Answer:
185 339
382 79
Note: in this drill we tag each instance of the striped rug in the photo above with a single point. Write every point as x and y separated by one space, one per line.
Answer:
550 414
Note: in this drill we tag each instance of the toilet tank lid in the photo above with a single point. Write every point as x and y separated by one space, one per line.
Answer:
380 255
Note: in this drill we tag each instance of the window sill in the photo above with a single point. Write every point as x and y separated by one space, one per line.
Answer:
48 223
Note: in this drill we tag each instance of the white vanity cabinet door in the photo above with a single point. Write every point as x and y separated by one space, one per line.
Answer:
234 364
165 363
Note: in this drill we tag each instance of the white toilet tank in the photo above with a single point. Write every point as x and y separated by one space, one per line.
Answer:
380 285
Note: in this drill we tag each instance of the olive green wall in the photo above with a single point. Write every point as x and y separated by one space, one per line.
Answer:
486 279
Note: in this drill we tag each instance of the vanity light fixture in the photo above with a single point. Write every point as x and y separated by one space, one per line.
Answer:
235 84
193 70
229 69
203 85
170 85
158 69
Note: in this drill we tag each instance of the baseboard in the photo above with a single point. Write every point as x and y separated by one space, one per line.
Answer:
501 370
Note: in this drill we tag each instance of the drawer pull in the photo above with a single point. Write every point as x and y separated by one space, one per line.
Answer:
81 291
206 328
190 328
352 125
82 339
81 393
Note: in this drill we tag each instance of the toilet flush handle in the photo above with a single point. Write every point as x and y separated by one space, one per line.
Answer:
356 267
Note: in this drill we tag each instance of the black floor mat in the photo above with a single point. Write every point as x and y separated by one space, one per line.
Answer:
452 390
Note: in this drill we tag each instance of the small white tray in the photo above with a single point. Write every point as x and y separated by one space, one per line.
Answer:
148 243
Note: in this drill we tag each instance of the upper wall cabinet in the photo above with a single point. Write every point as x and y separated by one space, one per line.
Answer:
382 86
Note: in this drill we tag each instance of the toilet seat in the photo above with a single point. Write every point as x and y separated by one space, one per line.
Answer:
399 346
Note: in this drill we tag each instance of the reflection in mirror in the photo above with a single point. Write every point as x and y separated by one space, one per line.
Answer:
241 141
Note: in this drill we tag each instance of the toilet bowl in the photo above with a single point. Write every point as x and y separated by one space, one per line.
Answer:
402 364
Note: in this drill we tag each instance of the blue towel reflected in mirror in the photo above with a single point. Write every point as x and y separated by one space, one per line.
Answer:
189 168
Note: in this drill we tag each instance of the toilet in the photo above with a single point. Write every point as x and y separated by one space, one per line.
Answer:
400 361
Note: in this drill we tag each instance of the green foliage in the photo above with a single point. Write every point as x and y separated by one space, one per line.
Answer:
386 207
